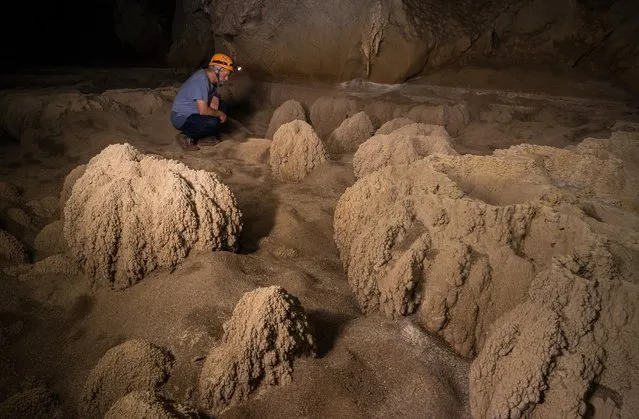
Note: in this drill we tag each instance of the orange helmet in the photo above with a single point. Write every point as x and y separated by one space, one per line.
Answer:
223 61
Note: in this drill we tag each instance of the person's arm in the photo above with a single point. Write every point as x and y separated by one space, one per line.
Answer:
204 109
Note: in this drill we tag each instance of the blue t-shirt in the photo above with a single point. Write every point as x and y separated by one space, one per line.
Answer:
196 87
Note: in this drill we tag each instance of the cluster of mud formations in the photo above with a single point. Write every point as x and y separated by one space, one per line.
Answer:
524 260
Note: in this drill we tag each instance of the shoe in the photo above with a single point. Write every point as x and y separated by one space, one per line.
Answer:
185 142
208 141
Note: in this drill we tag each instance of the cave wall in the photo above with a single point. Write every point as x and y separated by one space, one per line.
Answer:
391 40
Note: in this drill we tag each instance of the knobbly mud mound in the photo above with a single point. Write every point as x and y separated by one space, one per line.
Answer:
267 331
393 125
327 113
12 249
130 213
37 403
578 327
47 207
296 151
9 193
461 241
133 365
453 117
51 238
288 111
457 235
146 404
350 134
404 145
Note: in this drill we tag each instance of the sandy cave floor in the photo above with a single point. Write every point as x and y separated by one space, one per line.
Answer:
55 327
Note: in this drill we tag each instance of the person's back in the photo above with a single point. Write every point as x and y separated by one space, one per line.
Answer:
196 87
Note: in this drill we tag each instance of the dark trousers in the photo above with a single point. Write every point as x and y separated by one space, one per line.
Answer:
198 126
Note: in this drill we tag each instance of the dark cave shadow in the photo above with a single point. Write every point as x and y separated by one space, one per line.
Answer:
258 206
327 327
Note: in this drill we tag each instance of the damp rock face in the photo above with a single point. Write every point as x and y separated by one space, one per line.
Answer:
266 333
133 365
350 134
406 144
130 213
288 111
296 151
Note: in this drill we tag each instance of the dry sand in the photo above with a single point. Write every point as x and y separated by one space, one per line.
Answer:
488 271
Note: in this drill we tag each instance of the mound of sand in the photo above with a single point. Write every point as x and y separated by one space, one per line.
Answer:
130 213
47 207
9 193
404 145
267 331
327 113
578 327
296 151
12 249
147 404
288 111
350 134
453 117
392 125
450 237
133 365
36 403
51 238
463 240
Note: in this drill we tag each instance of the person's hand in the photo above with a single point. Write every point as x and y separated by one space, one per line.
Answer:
215 102
222 117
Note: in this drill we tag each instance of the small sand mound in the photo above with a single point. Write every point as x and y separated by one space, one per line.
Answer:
350 134
267 331
381 112
58 264
404 145
133 365
327 113
37 403
10 193
146 404
296 150
393 125
19 216
288 111
12 249
129 214
51 238
47 207
453 117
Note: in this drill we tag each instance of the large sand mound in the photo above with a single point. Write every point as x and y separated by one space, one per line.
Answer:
133 365
296 151
458 240
327 113
130 213
267 331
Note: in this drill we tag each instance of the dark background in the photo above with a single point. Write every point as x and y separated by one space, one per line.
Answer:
69 32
